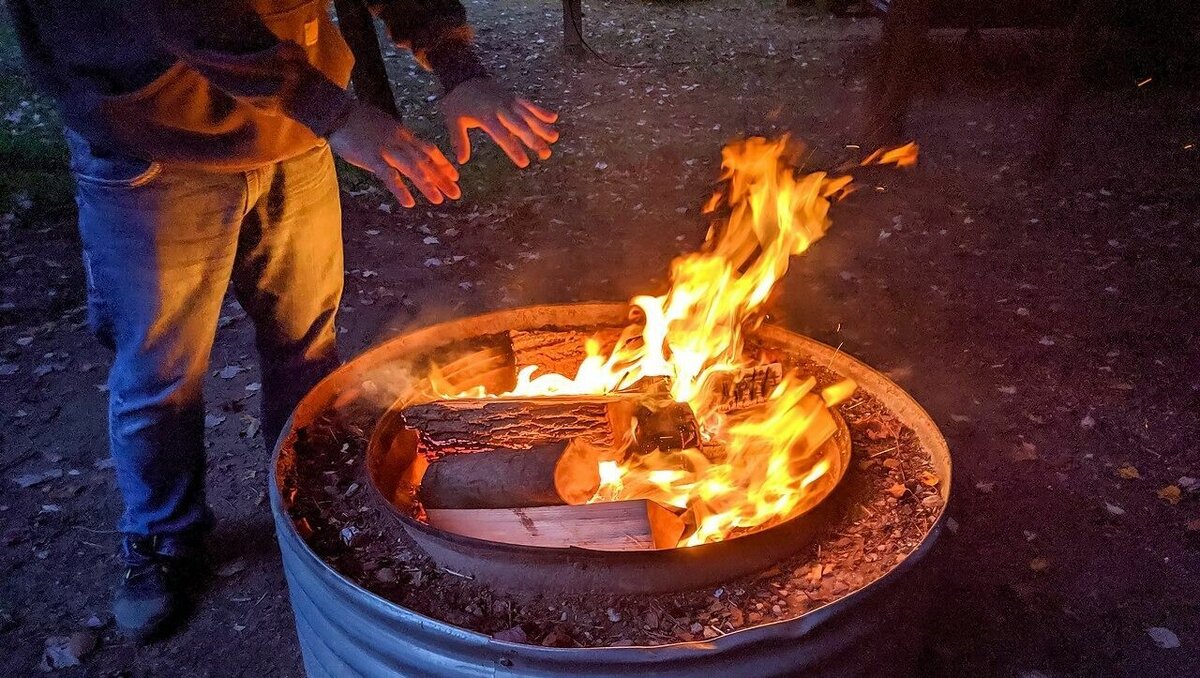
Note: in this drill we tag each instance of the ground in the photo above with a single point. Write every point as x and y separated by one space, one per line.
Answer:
1048 322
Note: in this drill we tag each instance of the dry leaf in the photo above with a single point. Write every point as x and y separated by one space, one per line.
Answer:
1162 637
928 478
1171 493
897 490
1128 472
1026 451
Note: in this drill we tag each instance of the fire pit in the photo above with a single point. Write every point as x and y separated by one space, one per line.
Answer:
522 568
664 487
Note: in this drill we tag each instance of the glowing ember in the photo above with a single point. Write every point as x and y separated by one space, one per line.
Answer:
760 466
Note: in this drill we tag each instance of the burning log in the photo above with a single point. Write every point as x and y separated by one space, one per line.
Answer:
549 475
633 525
749 387
559 352
466 425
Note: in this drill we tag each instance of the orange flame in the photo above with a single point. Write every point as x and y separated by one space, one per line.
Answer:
763 465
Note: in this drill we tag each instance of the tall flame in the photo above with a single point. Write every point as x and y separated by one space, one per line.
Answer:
763 465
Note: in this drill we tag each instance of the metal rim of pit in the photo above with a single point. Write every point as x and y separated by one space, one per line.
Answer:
332 612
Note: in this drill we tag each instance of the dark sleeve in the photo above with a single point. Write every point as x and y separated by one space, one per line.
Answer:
240 56
437 33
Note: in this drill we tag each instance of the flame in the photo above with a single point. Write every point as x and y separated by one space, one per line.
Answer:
760 466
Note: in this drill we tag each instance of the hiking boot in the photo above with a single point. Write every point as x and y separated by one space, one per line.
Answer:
153 594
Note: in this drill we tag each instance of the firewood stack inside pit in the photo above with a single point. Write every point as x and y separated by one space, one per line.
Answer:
526 470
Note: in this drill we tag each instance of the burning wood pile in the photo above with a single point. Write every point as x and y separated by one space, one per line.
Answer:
664 434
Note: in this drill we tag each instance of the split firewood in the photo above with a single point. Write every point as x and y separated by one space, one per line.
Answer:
558 352
633 525
748 387
550 475
466 425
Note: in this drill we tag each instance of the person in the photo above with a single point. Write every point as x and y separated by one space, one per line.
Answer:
200 136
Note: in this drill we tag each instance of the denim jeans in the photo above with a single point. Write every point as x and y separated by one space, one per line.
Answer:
160 246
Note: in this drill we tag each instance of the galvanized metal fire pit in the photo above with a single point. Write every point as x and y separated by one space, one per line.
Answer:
345 630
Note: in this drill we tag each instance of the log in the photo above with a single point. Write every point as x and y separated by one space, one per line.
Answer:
666 426
467 425
749 387
633 525
558 352
549 475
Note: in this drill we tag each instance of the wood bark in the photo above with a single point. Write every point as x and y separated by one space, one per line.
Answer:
466 425
550 475
749 387
633 525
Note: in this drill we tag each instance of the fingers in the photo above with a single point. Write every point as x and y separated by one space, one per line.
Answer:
538 112
519 128
508 142
461 141
396 185
426 168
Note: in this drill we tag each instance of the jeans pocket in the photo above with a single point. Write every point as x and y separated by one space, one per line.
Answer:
108 170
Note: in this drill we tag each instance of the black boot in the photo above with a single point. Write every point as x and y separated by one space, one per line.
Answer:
159 574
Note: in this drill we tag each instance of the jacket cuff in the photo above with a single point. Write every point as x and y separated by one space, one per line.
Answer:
320 104
455 62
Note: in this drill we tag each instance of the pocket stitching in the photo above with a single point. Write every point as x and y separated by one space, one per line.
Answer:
140 180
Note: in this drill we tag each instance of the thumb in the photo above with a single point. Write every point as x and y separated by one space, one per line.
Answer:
460 140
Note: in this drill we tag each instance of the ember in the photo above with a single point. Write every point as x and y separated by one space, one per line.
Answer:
760 457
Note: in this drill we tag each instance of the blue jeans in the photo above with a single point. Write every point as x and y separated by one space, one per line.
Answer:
160 245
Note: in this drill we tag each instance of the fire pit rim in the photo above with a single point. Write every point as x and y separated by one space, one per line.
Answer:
327 391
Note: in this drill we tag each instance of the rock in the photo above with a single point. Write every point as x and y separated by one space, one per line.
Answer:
613 615
386 575
65 651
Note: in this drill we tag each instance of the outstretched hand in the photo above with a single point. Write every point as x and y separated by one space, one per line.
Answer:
380 144
513 123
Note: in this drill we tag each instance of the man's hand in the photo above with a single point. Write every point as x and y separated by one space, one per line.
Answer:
378 143
509 120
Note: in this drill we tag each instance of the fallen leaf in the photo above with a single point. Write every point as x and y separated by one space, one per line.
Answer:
514 635
897 490
231 568
253 387
1039 564
929 478
1026 451
1128 472
1171 494
1188 484
213 420
230 371
26 480
1162 637
65 651
1114 509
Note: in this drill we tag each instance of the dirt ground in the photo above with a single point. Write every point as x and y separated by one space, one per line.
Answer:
1048 322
